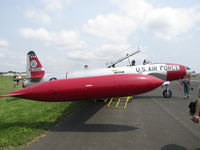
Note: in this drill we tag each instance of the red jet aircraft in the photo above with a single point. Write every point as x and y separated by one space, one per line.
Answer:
164 71
101 83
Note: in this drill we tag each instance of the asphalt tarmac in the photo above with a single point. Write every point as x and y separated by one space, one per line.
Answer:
150 122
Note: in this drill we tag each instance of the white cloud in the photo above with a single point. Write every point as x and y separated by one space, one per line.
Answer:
168 23
39 34
101 54
109 50
165 23
115 29
55 5
2 55
62 39
75 48
112 27
12 60
4 43
47 11
69 39
38 17
137 9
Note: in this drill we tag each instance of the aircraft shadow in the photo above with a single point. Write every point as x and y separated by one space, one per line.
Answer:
159 97
173 146
73 123
98 128
77 122
147 97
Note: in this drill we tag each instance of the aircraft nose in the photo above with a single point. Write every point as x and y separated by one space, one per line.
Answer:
147 83
155 82
189 71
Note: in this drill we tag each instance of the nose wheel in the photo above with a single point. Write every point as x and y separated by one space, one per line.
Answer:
167 93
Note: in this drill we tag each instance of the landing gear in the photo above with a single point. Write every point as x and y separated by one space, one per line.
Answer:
167 92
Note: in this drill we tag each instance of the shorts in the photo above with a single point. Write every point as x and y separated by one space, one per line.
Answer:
186 90
16 81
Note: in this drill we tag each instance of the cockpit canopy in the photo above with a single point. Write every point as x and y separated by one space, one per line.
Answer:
188 68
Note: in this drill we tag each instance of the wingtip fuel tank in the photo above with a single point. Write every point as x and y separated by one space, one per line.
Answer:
89 88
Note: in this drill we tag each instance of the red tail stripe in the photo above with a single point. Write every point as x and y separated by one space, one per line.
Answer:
37 74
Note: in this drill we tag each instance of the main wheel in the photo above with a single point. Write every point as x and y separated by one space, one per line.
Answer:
167 94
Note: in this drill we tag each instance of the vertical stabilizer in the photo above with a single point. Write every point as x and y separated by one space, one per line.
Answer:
34 68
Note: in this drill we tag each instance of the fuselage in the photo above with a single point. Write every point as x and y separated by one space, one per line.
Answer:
35 73
165 72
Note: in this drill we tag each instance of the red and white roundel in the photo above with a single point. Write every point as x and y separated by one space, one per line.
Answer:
33 63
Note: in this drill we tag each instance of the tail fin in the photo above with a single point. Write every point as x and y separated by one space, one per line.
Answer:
34 68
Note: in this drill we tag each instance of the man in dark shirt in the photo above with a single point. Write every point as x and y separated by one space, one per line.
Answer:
186 85
15 80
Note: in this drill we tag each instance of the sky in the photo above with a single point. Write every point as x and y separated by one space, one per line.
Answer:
67 34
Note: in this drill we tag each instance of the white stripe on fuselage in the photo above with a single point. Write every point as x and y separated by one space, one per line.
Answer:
158 70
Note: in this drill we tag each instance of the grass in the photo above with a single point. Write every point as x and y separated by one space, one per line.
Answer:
198 77
22 120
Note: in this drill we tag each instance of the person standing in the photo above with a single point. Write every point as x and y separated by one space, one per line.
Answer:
19 77
196 116
186 85
15 81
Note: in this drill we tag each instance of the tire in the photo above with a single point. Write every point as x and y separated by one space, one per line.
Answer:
167 94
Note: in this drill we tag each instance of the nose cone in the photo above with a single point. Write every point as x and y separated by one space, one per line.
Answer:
152 83
155 82
145 83
190 72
